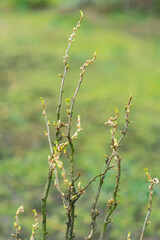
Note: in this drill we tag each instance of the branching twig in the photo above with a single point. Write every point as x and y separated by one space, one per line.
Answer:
94 211
77 90
82 189
71 215
115 144
99 175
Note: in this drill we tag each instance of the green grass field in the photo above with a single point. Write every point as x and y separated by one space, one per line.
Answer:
32 45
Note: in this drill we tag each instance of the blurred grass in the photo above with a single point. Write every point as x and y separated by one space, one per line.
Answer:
32 45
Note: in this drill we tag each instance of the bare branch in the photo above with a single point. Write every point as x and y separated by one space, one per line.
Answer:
127 112
112 204
77 90
49 177
35 226
94 211
152 181
112 122
99 175
65 60
16 223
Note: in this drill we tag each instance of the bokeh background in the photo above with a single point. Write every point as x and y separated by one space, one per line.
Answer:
33 39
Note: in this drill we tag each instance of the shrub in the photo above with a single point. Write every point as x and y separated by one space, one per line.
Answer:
62 148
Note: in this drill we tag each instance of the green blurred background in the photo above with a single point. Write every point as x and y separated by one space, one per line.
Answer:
34 37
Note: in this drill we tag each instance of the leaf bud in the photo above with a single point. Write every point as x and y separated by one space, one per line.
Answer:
74 197
81 14
55 183
15 224
46 133
67 66
49 158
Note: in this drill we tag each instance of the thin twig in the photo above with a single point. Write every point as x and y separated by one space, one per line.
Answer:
16 223
145 224
35 226
77 90
71 214
82 190
71 111
112 204
94 212
127 111
152 181
78 176
99 175
53 167
66 66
